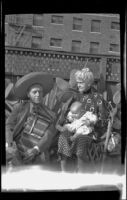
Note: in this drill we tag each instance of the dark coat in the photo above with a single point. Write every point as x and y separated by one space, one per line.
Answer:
16 120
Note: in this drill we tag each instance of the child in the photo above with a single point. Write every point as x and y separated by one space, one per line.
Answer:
78 121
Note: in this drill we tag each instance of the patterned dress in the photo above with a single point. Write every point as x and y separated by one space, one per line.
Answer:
92 101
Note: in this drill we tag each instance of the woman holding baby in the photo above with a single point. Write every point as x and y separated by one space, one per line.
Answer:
78 129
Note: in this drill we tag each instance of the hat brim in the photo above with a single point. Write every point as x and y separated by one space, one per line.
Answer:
9 92
24 83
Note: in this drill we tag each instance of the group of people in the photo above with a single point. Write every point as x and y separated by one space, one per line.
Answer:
79 117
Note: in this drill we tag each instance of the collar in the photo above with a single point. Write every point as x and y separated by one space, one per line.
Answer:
37 106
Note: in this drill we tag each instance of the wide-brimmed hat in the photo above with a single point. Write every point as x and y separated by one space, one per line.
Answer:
24 83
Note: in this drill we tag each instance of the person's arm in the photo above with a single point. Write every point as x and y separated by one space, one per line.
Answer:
61 128
63 111
47 139
43 145
11 123
103 112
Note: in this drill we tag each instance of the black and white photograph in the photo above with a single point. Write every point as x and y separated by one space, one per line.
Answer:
64 84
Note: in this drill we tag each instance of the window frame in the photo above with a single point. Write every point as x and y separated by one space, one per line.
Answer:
56 40
115 28
93 20
75 24
57 22
78 42
94 48
34 36
113 50
37 20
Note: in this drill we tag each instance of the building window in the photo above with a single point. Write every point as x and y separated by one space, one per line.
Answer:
94 47
76 46
36 42
56 19
37 31
38 20
114 47
77 23
55 42
115 25
95 25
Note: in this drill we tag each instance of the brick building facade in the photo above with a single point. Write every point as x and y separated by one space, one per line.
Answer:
84 33
58 43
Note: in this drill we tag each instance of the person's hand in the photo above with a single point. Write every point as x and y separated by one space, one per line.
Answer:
61 128
65 127
68 127
30 155
72 138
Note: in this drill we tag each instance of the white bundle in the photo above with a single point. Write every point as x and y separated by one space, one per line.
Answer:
81 125
89 116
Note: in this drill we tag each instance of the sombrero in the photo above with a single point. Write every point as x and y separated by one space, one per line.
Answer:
24 83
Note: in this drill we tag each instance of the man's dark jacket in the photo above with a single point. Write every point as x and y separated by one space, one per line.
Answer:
16 120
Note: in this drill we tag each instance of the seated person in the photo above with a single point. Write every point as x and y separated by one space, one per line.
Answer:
78 122
31 124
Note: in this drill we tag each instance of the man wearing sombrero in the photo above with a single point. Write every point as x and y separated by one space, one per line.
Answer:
31 124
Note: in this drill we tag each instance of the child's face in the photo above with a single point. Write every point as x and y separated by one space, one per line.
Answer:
76 108
75 111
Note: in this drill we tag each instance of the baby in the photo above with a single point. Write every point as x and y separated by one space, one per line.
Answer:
79 122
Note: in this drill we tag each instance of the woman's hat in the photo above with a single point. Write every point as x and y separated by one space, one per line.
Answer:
24 83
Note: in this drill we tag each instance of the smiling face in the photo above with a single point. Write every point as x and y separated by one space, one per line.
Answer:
83 86
35 94
84 79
